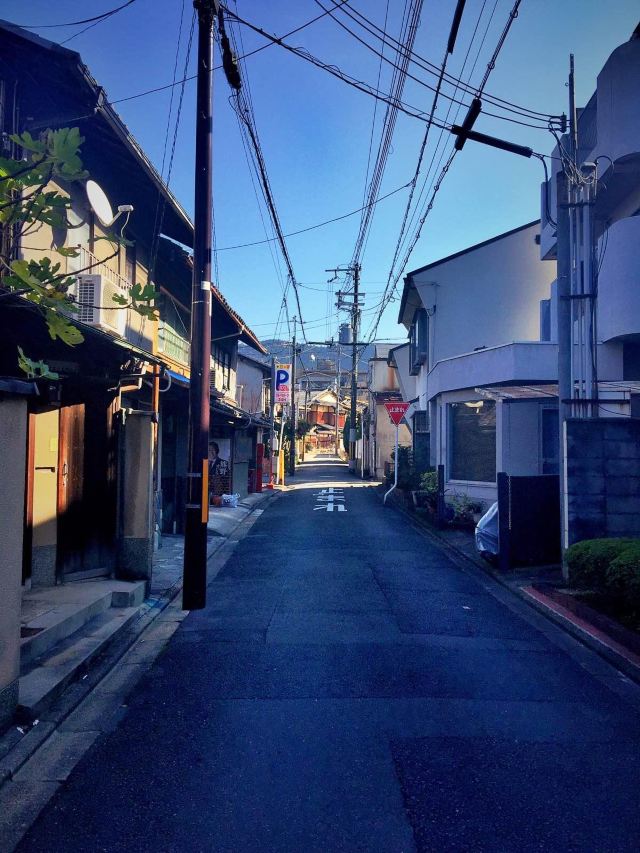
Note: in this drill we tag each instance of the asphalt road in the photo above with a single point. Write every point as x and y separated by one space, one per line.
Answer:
349 688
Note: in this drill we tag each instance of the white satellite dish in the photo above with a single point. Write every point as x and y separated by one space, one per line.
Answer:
101 206
99 203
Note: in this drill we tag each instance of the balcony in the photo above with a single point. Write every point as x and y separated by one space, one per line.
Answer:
172 344
618 283
516 363
134 328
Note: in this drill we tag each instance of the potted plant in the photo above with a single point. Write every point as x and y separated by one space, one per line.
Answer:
466 511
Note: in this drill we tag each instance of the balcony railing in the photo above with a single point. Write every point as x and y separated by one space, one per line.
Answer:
135 328
98 267
172 343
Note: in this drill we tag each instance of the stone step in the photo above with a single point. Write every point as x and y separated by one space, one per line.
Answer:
58 612
53 671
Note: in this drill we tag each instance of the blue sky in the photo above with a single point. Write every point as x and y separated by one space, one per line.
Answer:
315 130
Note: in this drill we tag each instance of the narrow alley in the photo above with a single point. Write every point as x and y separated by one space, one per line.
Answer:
350 688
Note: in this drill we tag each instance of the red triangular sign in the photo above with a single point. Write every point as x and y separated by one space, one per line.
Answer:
396 411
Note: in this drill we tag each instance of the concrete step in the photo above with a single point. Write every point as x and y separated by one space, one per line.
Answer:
53 671
58 612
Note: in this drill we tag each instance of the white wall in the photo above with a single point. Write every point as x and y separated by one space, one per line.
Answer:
618 101
250 377
618 282
487 296
517 362
521 437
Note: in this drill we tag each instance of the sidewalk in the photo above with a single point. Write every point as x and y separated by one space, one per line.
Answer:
85 629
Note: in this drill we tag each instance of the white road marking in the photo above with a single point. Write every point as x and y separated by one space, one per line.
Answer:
330 507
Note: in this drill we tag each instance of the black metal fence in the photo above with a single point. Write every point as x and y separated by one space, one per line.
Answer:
529 520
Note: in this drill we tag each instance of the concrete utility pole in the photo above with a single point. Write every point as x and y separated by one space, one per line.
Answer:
292 455
564 333
337 424
355 318
197 504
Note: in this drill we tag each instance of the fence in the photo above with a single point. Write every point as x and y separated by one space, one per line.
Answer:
529 520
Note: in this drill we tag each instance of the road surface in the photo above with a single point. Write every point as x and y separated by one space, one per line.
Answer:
349 688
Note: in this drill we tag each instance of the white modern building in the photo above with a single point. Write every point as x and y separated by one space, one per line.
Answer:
481 364
480 378
608 152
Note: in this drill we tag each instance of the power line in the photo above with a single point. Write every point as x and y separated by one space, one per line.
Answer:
243 107
319 224
372 28
161 201
409 110
95 18
405 53
490 66
409 30
166 86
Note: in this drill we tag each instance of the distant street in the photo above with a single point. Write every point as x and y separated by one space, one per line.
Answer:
349 688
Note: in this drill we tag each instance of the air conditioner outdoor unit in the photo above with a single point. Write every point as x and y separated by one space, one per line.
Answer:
94 294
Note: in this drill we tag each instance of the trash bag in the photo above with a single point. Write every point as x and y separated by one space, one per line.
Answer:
487 542
230 500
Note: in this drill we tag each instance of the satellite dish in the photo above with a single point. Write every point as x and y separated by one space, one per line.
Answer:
100 203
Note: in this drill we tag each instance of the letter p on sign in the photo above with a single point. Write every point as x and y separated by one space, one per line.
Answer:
283 383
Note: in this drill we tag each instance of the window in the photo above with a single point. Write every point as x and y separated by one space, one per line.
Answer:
418 341
472 441
221 368
545 319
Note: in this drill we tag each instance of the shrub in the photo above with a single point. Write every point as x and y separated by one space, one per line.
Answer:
429 482
408 478
464 508
623 574
588 561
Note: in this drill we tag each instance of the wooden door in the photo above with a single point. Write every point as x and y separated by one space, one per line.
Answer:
71 505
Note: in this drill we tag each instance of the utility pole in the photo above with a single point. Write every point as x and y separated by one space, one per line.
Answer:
197 506
564 335
338 402
354 270
355 317
292 455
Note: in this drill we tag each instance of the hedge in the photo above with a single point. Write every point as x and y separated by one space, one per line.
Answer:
623 574
589 561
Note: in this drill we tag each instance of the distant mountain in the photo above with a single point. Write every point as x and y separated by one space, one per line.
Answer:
325 357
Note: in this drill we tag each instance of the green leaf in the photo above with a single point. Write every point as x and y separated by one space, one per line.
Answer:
35 369
26 141
147 293
60 327
22 269
120 300
67 251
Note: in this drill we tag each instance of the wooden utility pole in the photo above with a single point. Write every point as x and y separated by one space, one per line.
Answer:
197 505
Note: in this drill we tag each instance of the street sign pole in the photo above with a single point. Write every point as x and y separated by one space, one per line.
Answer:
396 412
395 469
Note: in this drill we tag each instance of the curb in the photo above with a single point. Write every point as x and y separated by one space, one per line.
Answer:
620 657
16 747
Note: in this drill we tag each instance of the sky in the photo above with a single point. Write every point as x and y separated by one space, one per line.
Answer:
316 132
